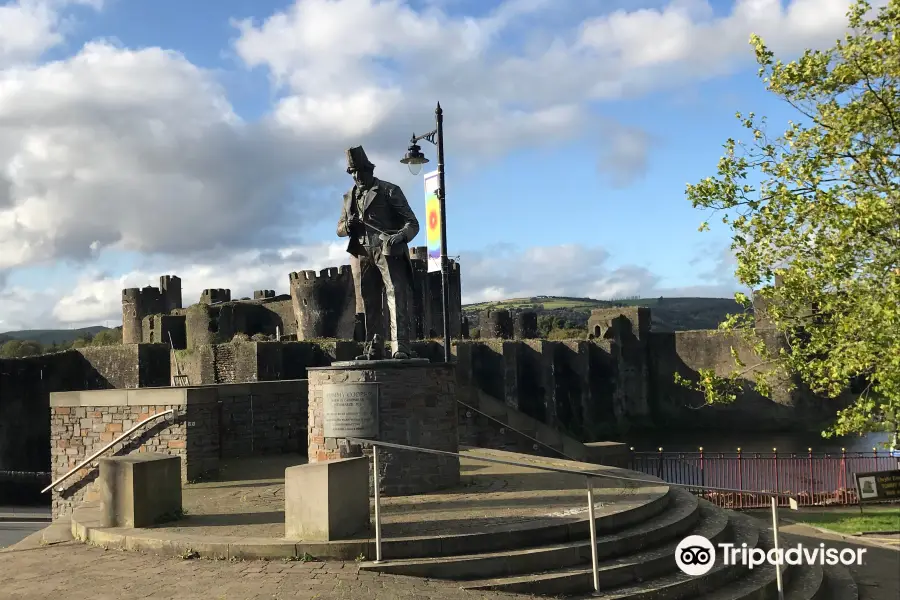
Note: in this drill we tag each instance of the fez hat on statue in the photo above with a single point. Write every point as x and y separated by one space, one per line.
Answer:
357 159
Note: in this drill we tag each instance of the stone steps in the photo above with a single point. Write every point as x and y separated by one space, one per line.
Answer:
680 517
624 570
677 585
759 583
636 563
807 583
839 583
394 549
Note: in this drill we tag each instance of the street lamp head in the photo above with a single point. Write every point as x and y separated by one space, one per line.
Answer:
414 159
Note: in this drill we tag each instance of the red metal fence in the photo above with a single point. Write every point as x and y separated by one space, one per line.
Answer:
813 478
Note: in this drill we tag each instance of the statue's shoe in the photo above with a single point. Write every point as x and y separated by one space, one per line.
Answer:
401 356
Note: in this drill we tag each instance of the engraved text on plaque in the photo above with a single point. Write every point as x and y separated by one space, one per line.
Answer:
350 410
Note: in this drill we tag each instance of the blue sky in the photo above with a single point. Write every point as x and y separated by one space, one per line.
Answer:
205 139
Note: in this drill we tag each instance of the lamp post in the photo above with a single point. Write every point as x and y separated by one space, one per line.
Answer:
414 159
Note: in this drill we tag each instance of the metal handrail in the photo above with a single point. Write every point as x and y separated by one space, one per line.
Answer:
93 456
588 475
523 434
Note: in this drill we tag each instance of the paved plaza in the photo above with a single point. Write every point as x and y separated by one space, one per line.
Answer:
73 571
247 500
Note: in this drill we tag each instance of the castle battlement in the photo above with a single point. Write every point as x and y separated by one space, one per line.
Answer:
330 273
212 296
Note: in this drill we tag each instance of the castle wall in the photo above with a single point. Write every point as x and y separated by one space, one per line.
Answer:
165 329
281 314
218 323
686 352
251 361
26 385
263 418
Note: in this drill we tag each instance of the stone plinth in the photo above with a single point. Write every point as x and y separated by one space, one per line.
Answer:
326 501
139 490
416 406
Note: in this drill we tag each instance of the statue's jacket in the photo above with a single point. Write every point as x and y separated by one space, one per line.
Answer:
385 207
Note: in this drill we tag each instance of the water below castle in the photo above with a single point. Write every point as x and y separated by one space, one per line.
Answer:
730 441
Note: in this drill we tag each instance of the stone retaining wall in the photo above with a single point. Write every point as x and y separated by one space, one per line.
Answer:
209 423
263 418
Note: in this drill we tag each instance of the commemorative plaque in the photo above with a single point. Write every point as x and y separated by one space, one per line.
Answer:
350 410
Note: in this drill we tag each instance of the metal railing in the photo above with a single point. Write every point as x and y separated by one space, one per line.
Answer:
814 478
536 441
118 440
589 483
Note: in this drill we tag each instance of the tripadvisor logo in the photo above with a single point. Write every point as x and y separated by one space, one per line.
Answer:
695 555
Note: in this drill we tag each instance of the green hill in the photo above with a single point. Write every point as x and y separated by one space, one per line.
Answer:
667 314
51 336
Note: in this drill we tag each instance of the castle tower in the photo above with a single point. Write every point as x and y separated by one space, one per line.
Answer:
212 296
435 321
495 324
525 326
131 316
324 304
136 304
170 288
263 294
421 307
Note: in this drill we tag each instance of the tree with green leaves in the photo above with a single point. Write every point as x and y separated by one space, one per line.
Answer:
107 337
818 208
20 349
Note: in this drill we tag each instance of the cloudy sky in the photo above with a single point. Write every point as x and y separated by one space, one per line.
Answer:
205 139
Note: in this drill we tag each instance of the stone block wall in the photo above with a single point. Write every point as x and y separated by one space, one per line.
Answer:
82 423
209 423
417 407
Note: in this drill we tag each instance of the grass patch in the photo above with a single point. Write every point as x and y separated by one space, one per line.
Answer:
872 519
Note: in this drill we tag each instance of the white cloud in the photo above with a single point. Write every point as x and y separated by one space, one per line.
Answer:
566 270
28 28
625 154
92 157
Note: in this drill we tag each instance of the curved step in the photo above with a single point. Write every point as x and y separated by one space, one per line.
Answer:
643 566
839 583
676 520
525 536
759 583
677 586
807 583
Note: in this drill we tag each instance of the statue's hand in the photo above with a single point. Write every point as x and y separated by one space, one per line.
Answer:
397 238
354 225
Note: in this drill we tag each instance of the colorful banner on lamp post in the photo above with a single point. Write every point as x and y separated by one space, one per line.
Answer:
432 221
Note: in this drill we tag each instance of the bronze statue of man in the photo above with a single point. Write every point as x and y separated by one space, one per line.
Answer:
379 222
